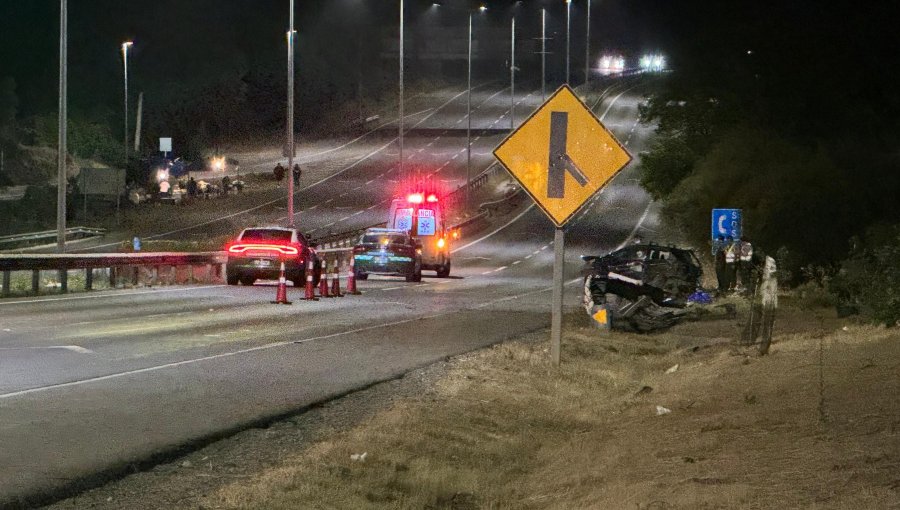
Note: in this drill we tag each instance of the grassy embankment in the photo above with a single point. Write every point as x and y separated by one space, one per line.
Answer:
813 425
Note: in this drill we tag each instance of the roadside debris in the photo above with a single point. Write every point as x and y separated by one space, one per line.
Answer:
660 410
672 369
359 457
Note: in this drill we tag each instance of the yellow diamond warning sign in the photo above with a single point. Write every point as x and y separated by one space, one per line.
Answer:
562 155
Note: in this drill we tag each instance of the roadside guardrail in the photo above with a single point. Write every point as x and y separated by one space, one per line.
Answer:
73 232
119 266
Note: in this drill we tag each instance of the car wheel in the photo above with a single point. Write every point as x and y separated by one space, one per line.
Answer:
232 279
444 271
415 275
247 280
360 276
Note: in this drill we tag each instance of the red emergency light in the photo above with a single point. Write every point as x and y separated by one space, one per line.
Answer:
432 198
415 198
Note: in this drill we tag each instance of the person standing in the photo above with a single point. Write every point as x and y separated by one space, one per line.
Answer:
297 172
731 258
719 254
279 172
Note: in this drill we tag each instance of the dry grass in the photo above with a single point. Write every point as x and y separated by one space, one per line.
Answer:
504 429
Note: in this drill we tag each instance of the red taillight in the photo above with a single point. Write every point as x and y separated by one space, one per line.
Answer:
282 249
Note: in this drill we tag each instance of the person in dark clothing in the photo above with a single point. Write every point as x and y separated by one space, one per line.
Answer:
721 276
296 172
279 172
226 185
192 188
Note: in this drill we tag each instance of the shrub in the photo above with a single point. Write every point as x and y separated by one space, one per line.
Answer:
869 279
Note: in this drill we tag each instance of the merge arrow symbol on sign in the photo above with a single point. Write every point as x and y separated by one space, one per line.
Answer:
560 162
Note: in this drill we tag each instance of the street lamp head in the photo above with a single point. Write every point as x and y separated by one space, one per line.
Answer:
482 8
126 45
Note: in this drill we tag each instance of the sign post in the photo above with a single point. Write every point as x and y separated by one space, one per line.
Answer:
562 155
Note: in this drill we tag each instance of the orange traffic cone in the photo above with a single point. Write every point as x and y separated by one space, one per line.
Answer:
310 294
323 281
351 278
281 293
336 281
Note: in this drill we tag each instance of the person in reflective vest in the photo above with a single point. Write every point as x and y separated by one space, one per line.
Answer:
746 266
731 259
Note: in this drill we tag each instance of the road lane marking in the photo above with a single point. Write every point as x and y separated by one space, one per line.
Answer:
501 268
111 294
517 262
73 348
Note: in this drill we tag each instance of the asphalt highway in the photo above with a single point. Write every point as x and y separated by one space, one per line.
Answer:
95 383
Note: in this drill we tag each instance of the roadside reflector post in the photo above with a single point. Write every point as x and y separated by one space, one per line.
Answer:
6 283
600 314
559 261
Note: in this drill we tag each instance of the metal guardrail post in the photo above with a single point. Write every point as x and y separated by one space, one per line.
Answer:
63 280
89 278
7 281
112 277
36 282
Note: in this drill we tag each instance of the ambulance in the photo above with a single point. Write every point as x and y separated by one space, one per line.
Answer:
421 214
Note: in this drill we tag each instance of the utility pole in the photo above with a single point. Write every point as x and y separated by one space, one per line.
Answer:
469 122
125 46
290 117
512 76
568 29
587 46
61 180
543 54
400 120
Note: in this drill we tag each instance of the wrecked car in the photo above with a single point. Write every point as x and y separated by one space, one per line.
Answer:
643 287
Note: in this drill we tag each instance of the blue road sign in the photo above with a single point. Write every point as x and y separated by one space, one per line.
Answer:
726 222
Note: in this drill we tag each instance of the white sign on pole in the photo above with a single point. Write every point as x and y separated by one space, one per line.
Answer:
165 145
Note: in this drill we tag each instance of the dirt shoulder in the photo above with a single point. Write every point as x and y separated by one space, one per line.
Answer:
813 425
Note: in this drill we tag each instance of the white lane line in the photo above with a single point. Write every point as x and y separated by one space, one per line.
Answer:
510 222
73 348
328 225
535 252
517 262
373 206
636 227
501 268
345 218
545 247
330 200
529 256
393 288
342 195
356 213
111 294
486 273
313 207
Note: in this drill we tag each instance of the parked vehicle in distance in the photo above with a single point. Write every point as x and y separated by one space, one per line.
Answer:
257 254
421 215
388 251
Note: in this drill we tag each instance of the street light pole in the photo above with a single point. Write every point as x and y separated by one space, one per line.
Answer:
290 116
543 54
512 76
125 46
469 121
400 121
568 27
61 180
587 46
